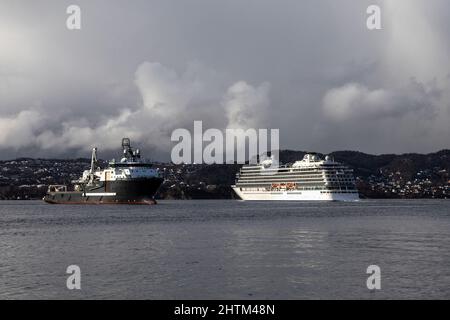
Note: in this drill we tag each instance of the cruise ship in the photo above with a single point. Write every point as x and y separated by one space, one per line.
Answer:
128 181
311 178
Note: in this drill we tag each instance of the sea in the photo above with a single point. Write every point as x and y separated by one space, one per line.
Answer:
226 249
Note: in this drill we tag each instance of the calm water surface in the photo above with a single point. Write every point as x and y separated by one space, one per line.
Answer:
226 250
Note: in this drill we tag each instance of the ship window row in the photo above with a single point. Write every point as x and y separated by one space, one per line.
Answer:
340 191
279 170
270 185
285 170
294 178
273 173
259 178
316 183
318 174
281 180
297 184
293 171
250 167
291 176
296 169
325 190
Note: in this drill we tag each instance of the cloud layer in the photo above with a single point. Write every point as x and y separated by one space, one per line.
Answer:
356 101
311 69
168 101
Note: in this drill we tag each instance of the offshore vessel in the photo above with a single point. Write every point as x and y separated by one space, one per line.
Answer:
308 179
130 181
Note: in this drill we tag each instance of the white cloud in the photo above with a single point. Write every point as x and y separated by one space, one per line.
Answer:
354 100
246 106
169 101
19 130
330 78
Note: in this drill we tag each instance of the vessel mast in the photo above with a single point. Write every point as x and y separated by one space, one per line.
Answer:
93 163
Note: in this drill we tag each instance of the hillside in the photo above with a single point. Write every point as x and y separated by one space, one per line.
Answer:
378 176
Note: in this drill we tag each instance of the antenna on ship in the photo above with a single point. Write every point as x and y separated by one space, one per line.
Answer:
93 160
93 163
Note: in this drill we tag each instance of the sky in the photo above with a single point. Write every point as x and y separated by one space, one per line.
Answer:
310 68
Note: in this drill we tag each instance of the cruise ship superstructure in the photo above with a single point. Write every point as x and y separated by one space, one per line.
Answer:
311 178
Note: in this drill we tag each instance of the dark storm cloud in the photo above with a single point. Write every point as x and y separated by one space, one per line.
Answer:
310 68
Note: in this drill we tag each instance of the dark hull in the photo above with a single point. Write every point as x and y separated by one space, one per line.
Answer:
136 191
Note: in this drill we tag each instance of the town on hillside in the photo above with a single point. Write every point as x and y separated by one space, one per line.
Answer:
377 176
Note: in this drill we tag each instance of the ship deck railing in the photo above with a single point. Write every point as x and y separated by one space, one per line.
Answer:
57 188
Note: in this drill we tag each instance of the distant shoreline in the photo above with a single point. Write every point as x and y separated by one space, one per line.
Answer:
406 176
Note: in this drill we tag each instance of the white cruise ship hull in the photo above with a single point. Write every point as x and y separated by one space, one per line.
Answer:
295 195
